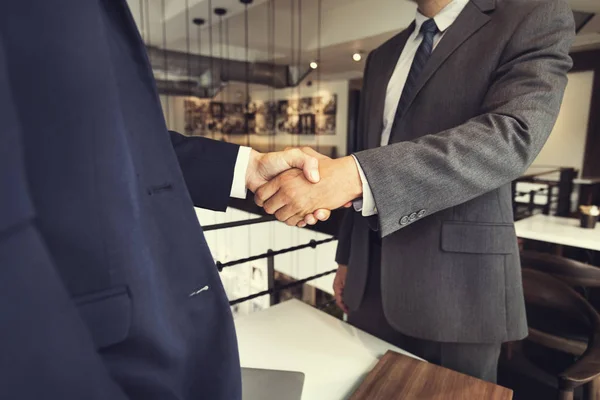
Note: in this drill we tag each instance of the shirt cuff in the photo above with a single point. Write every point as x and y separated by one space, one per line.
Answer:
238 187
366 205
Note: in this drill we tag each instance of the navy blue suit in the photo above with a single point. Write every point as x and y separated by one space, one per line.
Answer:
100 248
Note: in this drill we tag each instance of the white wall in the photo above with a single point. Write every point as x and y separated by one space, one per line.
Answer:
566 145
241 242
176 119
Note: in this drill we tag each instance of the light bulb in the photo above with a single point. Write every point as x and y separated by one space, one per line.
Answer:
356 57
314 65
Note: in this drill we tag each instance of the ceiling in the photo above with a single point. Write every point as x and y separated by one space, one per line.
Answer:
347 26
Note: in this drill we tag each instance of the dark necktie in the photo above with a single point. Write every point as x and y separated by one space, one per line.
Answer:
429 30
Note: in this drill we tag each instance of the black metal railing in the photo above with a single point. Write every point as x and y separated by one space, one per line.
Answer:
272 253
270 256
276 289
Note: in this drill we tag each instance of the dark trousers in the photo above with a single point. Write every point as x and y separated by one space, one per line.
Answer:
474 359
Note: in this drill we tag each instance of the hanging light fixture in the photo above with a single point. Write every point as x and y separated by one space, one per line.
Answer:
210 47
187 44
246 3
220 12
272 110
318 117
199 22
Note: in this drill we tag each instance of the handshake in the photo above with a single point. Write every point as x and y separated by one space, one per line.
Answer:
301 186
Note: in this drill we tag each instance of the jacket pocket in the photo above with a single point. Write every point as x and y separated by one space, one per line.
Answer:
107 315
478 238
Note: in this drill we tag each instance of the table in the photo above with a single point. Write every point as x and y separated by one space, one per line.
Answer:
293 336
558 230
400 377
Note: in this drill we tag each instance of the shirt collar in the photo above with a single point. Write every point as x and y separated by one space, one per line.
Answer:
445 18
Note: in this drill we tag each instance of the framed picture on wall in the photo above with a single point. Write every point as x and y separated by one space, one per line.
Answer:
216 110
330 107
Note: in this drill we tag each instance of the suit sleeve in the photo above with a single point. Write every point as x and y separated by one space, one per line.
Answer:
442 170
208 167
47 351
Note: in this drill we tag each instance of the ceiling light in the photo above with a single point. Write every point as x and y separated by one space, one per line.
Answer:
357 57
314 65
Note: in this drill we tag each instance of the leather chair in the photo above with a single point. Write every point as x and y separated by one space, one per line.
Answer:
574 273
546 292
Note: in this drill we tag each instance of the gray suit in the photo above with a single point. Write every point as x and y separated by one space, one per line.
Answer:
486 102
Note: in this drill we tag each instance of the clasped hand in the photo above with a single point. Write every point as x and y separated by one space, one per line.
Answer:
297 201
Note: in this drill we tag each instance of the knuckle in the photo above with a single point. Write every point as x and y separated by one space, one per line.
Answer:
278 215
296 152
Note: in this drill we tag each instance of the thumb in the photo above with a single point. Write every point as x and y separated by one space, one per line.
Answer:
296 158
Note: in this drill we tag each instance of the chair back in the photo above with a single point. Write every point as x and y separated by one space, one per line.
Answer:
572 272
543 290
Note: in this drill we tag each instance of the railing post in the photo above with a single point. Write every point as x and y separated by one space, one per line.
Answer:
548 205
565 189
271 275
531 206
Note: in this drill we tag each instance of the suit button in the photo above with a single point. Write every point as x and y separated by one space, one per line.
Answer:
412 217
404 220
421 214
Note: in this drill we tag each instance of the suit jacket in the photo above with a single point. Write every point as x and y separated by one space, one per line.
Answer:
100 248
486 102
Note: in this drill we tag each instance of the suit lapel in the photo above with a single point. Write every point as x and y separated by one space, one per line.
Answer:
471 19
381 77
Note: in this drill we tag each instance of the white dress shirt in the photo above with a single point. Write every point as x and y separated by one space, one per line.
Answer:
444 19
238 186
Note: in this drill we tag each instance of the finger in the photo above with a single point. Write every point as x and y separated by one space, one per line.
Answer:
294 221
313 153
344 308
275 204
340 303
322 215
301 224
285 213
296 158
348 204
265 192
310 219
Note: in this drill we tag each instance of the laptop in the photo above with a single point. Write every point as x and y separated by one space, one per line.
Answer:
267 384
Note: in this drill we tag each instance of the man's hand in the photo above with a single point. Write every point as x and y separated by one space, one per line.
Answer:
291 197
321 214
264 167
339 283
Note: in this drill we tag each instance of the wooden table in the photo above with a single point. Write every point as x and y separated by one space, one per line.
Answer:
558 230
399 377
292 336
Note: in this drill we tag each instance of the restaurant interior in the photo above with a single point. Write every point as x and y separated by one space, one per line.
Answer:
272 74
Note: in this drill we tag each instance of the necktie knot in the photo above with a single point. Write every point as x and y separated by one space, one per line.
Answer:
429 26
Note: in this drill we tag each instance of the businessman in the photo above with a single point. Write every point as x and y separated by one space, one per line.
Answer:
108 290
453 109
